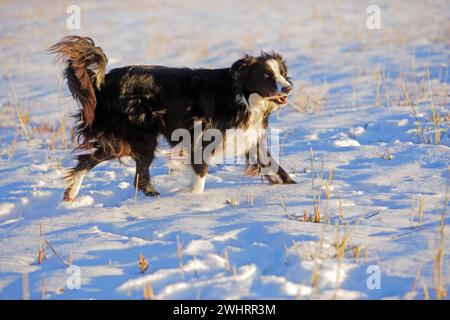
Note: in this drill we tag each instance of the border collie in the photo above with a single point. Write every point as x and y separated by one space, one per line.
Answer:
124 111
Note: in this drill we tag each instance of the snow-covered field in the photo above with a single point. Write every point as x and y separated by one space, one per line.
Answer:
355 95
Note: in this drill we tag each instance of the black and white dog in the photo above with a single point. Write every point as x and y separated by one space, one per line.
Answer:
124 111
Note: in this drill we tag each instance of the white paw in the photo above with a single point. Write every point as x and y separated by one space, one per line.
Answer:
198 184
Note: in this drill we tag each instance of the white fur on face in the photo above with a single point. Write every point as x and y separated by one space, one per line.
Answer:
274 65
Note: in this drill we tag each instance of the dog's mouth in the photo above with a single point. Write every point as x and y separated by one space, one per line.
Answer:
279 99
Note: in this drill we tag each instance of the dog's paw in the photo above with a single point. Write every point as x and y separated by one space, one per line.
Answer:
252 170
150 192
68 195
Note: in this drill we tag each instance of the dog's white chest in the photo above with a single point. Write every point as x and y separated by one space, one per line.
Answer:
238 142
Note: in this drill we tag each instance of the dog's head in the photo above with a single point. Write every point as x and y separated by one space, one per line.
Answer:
265 75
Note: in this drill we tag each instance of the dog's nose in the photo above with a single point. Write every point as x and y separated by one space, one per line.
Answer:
286 89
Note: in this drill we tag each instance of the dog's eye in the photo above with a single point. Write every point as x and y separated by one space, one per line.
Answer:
267 76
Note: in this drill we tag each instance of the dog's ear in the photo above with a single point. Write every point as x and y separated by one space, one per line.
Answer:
241 64
277 56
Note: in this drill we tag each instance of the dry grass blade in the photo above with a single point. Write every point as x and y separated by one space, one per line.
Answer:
377 102
438 270
136 189
18 111
227 261
143 263
43 288
41 251
436 117
148 292
233 202
315 202
341 211
419 130
421 205
285 208
47 243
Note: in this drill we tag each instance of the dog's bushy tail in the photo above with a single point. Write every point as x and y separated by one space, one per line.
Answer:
85 69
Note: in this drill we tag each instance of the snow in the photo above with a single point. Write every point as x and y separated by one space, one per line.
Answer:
6 208
236 239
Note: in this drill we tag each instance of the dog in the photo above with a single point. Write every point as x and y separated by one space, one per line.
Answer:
123 112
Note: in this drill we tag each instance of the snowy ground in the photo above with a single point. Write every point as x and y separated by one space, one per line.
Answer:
383 171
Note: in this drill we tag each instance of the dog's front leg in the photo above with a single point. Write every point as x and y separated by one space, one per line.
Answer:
272 170
268 167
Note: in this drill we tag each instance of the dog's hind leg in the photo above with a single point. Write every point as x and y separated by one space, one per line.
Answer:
75 176
144 155
199 167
